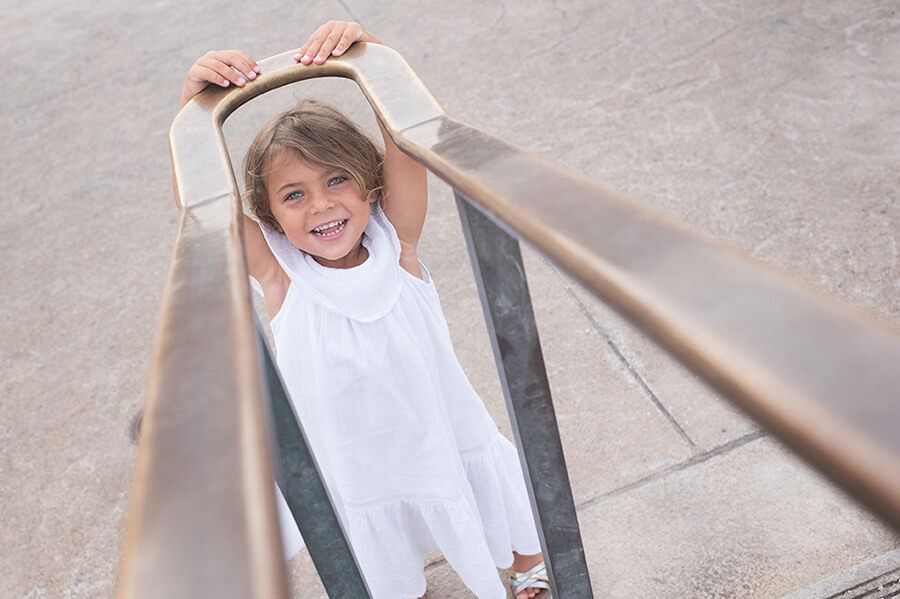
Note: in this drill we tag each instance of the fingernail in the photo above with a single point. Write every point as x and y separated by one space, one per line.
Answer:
251 75
256 68
241 81
227 83
297 57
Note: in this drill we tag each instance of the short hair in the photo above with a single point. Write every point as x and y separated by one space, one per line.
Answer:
318 134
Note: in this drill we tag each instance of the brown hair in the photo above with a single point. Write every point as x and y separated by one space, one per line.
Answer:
318 134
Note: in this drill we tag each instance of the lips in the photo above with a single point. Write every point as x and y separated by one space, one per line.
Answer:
329 229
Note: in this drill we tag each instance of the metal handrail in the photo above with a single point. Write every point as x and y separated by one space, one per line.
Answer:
821 376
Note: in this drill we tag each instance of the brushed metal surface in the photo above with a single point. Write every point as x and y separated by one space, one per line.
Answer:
202 521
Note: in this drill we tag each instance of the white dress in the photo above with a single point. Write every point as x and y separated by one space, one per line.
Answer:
407 450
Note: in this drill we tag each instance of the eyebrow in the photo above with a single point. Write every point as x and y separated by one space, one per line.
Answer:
287 186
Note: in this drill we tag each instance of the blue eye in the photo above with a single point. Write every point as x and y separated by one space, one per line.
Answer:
337 179
293 195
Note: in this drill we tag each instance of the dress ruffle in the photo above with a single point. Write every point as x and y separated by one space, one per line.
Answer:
475 539
405 530
499 489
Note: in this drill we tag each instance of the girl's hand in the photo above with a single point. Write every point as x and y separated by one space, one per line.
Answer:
221 68
332 39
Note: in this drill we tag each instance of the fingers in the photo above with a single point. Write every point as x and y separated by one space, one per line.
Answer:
350 35
220 68
225 67
312 45
321 43
332 39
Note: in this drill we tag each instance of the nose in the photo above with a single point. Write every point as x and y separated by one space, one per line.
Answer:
319 202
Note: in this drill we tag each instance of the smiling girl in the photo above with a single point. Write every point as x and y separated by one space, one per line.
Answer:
411 458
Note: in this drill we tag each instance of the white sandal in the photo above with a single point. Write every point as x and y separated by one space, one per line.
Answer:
536 578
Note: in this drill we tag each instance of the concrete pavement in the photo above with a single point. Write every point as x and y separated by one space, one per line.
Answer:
771 125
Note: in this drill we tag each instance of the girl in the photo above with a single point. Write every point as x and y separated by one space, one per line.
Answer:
408 452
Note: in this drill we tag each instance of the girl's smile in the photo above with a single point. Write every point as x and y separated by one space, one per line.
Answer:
320 209
330 230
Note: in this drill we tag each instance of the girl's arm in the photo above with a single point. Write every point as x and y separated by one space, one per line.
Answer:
224 68
405 197
405 200
262 266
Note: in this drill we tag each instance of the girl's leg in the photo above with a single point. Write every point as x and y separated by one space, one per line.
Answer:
524 563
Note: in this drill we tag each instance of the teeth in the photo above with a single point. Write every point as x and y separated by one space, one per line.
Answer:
335 223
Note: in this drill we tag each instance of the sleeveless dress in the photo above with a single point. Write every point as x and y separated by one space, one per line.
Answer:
408 452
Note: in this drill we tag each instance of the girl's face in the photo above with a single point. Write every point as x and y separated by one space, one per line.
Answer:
321 210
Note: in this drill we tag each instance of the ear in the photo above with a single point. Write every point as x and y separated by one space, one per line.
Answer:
374 200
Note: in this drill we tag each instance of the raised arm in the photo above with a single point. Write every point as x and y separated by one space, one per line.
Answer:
405 198
224 68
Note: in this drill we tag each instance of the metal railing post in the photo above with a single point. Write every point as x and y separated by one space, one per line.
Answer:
306 494
500 275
